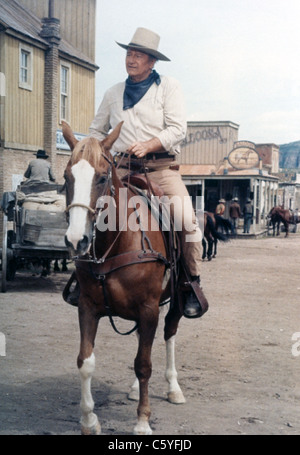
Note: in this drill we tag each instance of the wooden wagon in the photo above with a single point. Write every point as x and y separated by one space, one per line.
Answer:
34 225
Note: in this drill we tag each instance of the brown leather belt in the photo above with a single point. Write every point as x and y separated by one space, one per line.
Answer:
162 161
174 167
151 156
159 156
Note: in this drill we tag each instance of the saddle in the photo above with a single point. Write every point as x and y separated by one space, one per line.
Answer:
140 185
141 182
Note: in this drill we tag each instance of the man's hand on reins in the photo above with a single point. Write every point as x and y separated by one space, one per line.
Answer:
140 149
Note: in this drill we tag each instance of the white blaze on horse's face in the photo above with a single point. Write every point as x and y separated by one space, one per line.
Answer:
80 225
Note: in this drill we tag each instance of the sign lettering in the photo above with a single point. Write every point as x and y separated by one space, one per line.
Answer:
207 134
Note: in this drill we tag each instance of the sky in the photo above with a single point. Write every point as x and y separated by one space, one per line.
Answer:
236 60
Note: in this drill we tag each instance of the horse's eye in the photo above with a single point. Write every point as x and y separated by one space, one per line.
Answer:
101 180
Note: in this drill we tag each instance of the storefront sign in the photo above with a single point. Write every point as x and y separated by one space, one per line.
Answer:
244 156
205 134
61 143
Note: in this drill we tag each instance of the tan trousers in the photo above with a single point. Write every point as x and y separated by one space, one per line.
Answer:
183 214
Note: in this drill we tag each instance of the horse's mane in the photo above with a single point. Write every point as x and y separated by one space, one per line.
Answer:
88 149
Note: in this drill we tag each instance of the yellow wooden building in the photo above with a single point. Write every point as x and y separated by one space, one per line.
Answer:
47 74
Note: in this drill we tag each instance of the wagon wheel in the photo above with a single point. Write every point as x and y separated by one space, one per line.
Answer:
4 254
9 263
12 263
11 267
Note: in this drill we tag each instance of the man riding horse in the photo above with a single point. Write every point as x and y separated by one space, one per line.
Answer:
152 110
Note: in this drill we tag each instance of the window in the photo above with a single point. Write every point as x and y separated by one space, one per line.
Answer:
24 66
25 73
64 92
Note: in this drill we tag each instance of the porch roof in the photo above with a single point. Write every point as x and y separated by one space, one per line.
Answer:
212 171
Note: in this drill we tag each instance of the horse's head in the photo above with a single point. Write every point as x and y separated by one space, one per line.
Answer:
86 178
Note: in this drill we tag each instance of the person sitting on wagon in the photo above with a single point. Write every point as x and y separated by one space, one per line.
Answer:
40 170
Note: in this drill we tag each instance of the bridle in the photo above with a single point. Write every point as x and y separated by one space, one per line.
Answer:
108 186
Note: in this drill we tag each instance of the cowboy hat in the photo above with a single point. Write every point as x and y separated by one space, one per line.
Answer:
41 154
145 41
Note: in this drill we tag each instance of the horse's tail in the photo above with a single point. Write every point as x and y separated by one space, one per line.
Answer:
217 235
223 223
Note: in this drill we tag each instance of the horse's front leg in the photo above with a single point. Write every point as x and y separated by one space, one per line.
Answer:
203 249
86 364
278 228
273 224
134 393
286 229
215 248
210 249
143 369
172 319
175 394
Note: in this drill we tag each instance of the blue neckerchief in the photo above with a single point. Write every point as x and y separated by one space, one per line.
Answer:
134 91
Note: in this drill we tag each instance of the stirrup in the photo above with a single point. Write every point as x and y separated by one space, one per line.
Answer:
192 307
196 303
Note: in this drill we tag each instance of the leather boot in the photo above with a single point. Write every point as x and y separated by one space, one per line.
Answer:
195 303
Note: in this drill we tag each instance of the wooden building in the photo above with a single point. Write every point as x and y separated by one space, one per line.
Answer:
47 68
289 189
213 168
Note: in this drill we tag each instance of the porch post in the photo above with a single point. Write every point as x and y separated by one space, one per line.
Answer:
254 205
271 193
203 194
260 198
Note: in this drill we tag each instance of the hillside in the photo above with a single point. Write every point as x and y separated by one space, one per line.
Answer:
289 155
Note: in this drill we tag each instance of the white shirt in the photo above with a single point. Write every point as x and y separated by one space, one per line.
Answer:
160 113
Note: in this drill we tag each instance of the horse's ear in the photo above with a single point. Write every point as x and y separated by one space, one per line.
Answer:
112 137
68 135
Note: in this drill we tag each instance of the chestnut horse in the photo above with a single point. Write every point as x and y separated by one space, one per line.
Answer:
280 215
120 271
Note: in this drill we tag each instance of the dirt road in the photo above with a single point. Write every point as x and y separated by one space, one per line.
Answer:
238 366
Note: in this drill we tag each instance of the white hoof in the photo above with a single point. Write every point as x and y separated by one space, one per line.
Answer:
142 428
176 397
134 395
91 431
